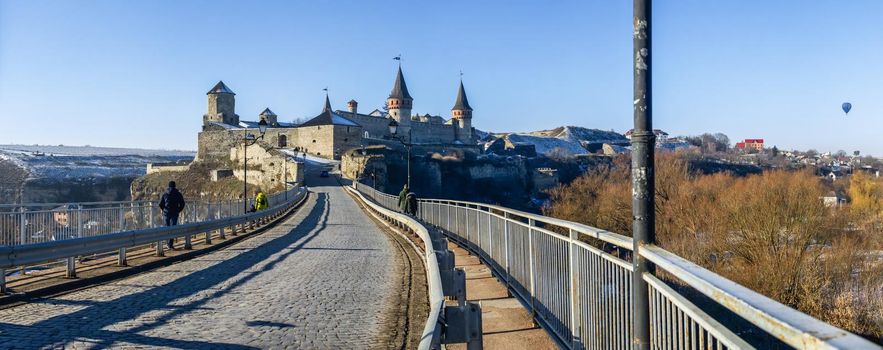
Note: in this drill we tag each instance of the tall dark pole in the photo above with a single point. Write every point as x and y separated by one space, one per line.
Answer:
245 173
643 176
285 175
409 159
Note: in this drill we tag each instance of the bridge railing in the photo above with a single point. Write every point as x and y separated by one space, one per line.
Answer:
95 228
46 222
582 293
432 330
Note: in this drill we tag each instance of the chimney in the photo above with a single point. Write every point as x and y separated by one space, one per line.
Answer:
352 106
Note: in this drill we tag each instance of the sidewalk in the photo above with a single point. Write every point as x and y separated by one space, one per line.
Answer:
506 323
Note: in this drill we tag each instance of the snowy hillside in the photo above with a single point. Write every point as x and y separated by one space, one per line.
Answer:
70 162
571 139
545 144
93 151
585 135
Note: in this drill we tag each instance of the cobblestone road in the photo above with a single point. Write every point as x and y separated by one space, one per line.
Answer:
322 279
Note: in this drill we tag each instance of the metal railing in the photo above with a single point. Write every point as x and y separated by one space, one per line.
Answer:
432 331
102 228
582 294
47 222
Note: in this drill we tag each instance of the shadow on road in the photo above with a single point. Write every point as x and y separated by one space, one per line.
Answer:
88 324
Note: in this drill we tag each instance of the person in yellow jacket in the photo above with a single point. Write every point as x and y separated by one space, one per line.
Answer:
261 202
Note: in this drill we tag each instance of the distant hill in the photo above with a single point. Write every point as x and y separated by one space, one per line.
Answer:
571 139
60 162
62 150
72 173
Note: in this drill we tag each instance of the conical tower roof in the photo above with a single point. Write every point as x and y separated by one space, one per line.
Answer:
462 103
220 88
400 89
327 103
268 112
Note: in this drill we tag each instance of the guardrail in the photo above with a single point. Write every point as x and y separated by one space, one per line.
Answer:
36 223
582 294
149 231
444 324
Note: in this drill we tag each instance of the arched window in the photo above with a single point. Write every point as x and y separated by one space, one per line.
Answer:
366 135
283 141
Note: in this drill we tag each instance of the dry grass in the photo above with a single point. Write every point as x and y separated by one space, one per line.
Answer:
769 232
193 183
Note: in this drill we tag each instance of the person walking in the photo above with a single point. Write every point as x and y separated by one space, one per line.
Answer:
171 204
261 201
411 204
403 198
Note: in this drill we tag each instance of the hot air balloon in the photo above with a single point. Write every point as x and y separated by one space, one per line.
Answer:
846 107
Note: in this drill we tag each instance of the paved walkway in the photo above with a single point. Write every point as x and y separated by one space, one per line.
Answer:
322 279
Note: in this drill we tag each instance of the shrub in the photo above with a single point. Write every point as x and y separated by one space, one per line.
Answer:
769 232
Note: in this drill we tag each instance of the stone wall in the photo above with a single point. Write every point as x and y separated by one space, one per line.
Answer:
369 166
316 140
376 127
421 132
215 145
171 167
266 167
432 133
346 138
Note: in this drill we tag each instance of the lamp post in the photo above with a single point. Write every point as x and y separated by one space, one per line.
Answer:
247 141
643 173
393 128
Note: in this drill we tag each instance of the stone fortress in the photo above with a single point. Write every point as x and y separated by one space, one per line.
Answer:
333 132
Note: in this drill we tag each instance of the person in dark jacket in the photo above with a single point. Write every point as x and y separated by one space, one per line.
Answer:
411 204
403 196
172 204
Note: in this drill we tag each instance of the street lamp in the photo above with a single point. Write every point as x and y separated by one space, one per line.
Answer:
247 141
393 128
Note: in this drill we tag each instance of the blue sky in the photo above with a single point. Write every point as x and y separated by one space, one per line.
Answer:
135 73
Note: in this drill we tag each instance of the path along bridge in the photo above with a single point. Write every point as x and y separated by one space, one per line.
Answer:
336 266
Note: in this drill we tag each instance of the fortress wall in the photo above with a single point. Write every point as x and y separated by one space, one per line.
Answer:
318 140
421 132
375 126
215 145
346 138
432 133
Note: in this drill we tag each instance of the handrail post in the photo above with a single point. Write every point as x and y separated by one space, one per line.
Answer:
208 213
448 222
575 342
121 258
71 271
122 218
506 243
643 172
221 230
466 225
533 273
23 226
477 225
159 250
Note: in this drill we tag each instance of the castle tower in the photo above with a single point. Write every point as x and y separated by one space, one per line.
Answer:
352 106
399 103
270 117
221 106
327 104
461 114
